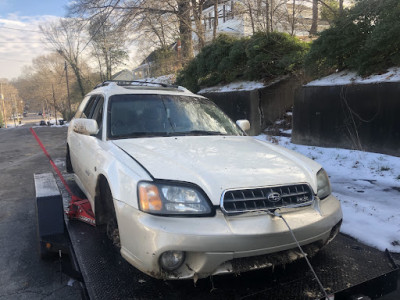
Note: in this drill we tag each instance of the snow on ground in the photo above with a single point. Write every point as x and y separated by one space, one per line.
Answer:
347 77
368 187
234 86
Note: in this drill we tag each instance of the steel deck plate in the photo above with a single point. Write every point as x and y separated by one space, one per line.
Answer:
342 264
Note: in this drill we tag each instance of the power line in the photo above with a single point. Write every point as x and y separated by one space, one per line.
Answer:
20 29
29 42
23 61
102 23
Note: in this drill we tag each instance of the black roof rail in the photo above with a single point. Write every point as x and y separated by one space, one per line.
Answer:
129 82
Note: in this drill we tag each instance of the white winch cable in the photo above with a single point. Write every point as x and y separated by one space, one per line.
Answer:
276 214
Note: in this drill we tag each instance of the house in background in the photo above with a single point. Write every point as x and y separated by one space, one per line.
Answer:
155 65
238 18
123 75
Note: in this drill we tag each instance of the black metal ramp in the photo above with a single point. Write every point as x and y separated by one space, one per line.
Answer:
343 264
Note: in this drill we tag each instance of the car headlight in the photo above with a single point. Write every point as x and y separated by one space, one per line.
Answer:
324 187
172 199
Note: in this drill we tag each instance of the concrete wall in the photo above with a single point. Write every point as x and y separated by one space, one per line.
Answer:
261 107
364 117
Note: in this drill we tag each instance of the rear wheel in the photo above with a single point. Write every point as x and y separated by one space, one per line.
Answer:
111 219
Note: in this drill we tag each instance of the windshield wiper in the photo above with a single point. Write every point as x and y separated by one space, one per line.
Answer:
141 134
197 132
166 134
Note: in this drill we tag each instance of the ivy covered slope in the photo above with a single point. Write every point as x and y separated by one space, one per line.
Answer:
365 38
262 56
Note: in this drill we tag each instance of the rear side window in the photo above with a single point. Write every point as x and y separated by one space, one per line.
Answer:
98 111
98 114
88 110
82 106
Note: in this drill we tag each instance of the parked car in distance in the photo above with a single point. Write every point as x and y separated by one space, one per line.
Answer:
42 123
185 193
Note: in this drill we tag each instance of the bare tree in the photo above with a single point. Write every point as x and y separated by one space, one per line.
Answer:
66 37
108 44
38 81
135 11
11 105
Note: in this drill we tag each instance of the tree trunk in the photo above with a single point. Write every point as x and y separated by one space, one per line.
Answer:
271 9
185 29
215 19
198 20
314 25
251 16
293 17
267 17
78 76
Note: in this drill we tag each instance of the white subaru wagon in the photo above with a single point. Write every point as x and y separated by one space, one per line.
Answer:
185 193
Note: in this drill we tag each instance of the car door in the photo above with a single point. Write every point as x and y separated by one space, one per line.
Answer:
91 149
75 139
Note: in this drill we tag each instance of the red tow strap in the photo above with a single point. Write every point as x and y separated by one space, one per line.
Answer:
78 208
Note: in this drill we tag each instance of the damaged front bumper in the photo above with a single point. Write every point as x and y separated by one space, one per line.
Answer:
224 244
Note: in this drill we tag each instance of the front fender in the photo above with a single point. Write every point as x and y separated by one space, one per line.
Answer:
122 174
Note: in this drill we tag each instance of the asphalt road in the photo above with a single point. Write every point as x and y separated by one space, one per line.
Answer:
23 275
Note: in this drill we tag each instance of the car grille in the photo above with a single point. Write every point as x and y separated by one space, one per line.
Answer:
256 199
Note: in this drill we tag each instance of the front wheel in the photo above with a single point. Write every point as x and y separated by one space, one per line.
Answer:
111 219
68 163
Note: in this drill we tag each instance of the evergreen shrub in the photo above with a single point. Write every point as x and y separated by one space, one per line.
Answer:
365 38
262 56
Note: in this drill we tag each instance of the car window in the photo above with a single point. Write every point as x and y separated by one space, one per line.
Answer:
88 110
98 114
82 106
166 115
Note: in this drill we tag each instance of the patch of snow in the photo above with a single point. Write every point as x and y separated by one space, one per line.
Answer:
71 282
347 77
368 187
234 86
167 79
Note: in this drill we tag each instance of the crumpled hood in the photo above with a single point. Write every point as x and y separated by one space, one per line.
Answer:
217 163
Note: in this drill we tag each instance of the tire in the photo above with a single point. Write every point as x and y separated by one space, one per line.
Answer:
111 219
68 163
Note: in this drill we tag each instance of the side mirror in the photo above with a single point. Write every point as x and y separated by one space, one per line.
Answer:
243 124
85 126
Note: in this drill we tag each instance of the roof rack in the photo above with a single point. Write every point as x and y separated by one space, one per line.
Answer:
139 83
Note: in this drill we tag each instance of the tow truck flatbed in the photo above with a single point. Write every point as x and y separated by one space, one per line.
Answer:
345 267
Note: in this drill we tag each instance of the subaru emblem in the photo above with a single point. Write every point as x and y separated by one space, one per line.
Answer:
274 197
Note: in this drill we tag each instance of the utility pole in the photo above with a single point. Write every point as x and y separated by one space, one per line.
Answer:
4 105
69 101
54 101
15 113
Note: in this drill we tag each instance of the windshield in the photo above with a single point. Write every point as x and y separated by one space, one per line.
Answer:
166 115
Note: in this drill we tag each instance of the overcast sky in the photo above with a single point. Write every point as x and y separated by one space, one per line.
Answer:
20 37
